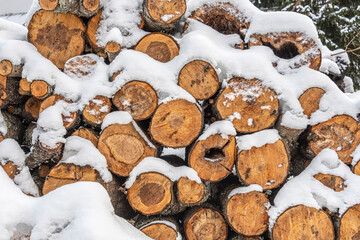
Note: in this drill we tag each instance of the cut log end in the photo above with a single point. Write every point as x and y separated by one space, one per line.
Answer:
95 112
151 193
213 158
248 105
158 46
80 66
6 67
87 134
200 79
91 5
310 100
113 47
48 4
40 89
24 87
304 223
10 169
334 182
137 98
32 107
165 12
247 213
190 192
91 30
205 223
160 231
350 224
176 123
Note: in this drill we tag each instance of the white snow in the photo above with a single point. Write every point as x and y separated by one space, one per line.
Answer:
82 152
224 128
247 189
349 85
258 139
180 152
153 164
3 127
167 223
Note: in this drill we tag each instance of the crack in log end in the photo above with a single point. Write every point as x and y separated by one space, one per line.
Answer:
159 51
151 194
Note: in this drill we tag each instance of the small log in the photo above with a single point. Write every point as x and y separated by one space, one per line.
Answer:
9 91
159 228
223 17
24 87
88 8
200 79
91 30
163 15
88 134
14 125
248 104
246 213
57 36
32 107
190 193
6 67
10 169
267 166
304 223
205 223
340 133
213 158
152 193
334 182
160 47
96 110
124 148
176 123
68 121
349 227
290 45
40 89
138 98
83 8
41 154
112 50
80 66
310 100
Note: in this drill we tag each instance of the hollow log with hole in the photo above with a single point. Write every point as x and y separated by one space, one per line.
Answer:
96 110
159 228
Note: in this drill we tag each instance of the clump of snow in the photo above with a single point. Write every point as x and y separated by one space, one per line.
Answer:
306 190
290 120
258 139
247 189
224 128
3 127
349 85
82 152
167 223
329 67
153 164
12 31
180 152
10 151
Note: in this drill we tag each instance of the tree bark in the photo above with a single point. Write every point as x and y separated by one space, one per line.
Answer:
81 8
9 91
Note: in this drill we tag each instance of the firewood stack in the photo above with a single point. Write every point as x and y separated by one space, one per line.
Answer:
237 180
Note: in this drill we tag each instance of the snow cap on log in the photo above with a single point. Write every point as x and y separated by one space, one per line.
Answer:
258 139
224 128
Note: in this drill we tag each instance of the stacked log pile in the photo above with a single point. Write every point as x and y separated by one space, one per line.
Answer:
236 180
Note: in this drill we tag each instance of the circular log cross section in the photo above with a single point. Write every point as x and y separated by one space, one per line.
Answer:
165 12
341 133
80 66
290 45
190 192
91 5
247 214
137 98
64 174
303 222
223 17
24 87
48 4
95 112
10 169
151 193
159 46
32 107
87 134
310 100
205 223
6 67
68 121
213 158
350 224
160 231
57 36
267 165
113 47
123 148
91 30
249 105
200 79
334 182
176 123
40 89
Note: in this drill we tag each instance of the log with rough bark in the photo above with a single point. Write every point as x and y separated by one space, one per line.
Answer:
112 49
24 87
68 121
248 104
246 213
290 45
138 98
176 123
163 15
96 110
159 228
41 154
213 158
341 133
190 193
160 47
336 183
223 17
310 100
124 147
303 222
9 91
32 107
153 193
349 225
87 134
15 128
82 8
205 223
40 89
200 79
57 36
267 165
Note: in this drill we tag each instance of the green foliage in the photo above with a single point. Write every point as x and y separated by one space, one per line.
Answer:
338 22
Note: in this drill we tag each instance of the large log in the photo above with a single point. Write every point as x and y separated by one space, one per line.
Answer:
160 47
15 128
57 36
138 98
163 15
176 123
96 110
248 104
200 79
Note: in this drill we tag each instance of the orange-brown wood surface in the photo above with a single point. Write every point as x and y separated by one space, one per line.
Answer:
24 87
96 110
48 4
350 224
334 182
32 107
6 67
310 100
91 30
160 11
11 169
91 5
190 192
160 231
40 89
87 134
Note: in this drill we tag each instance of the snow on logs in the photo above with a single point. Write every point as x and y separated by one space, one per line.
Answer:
161 228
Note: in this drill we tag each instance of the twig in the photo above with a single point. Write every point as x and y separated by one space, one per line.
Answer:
297 3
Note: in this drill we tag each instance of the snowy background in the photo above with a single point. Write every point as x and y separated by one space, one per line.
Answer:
14 6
